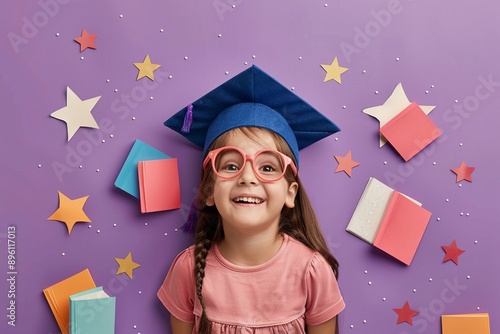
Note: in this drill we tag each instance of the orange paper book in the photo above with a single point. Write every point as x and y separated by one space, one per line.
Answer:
402 228
58 294
474 323
410 131
159 187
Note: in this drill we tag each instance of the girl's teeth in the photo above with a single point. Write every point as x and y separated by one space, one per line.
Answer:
248 200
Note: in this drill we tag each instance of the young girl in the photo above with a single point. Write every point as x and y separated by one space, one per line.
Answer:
259 263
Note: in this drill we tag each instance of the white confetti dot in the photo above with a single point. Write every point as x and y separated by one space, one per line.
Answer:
111 136
97 170
430 279
104 140
39 166
220 35
98 231
170 76
161 30
82 58
186 58
300 58
376 92
151 98
254 56
397 58
57 34
63 253
107 80
121 16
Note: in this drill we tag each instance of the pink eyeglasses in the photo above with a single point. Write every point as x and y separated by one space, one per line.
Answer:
268 165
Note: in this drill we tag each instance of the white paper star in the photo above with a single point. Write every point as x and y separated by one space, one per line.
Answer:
391 107
76 114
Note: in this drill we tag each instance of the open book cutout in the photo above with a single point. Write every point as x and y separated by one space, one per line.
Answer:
92 311
389 220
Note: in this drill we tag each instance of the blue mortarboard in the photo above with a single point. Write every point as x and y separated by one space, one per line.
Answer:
254 99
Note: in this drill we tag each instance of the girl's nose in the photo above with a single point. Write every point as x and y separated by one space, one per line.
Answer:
247 175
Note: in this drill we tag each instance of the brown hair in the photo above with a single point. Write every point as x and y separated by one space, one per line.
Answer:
299 222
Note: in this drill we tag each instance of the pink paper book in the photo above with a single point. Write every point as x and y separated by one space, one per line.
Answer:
410 131
402 227
159 187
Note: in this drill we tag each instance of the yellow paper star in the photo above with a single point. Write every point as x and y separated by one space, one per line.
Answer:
333 71
76 114
391 107
70 211
126 265
146 68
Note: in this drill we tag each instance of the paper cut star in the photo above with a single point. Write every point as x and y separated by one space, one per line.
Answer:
391 107
346 164
333 71
86 40
76 114
452 252
70 211
463 172
126 265
405 314
146 69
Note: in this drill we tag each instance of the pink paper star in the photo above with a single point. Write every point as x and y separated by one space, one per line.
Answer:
346 164
86 40
452 252
405 314
463 172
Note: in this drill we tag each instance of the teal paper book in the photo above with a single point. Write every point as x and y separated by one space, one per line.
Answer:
127 179
92 311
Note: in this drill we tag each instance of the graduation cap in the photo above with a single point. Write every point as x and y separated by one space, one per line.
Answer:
252 99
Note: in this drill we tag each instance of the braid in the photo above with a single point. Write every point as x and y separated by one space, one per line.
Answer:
203 244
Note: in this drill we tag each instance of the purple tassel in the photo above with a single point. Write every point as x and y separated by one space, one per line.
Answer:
192 218
188 120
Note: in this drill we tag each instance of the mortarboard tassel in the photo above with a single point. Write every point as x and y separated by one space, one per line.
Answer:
192 218
188 120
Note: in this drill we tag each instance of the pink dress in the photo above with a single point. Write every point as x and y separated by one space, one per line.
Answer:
294 288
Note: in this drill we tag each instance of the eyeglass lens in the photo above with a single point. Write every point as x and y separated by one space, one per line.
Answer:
268 165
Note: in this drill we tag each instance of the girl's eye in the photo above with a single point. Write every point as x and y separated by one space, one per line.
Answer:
229 167
267 169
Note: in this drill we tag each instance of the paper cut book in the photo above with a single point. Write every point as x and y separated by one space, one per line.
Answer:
127 179
389 220
472 323
159 186
92 311
58 295
410 131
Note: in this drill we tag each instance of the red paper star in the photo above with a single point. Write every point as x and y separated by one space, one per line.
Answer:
86 40
452 252
346 163
405 314
463 172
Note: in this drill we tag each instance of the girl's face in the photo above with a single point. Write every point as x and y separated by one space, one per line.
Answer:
246 204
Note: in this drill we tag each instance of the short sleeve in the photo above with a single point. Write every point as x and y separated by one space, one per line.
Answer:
178 291
324 300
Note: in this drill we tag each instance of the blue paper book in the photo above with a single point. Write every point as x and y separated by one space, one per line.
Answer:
127 179
92 311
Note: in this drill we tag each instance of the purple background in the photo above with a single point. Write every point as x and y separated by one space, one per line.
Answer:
443 52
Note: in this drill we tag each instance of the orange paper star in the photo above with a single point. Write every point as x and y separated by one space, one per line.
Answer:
126 265
70 211
346 163
452 252
405 314
86 40
146 68
463 172
333 71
